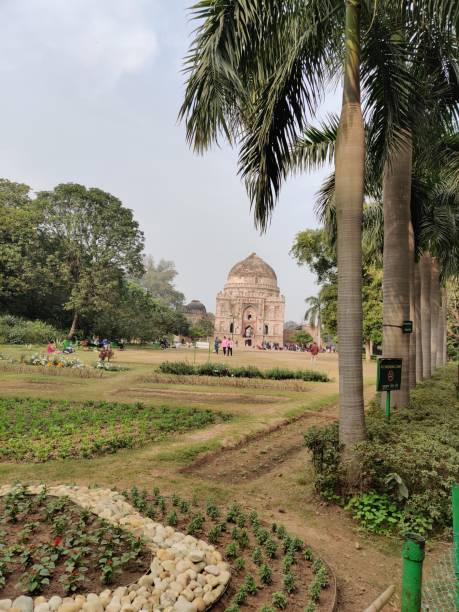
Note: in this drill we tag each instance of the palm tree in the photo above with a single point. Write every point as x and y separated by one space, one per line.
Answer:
313 315
256 70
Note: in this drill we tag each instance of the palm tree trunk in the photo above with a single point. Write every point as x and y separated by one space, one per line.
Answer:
368 350
426 275
349 169
413 336
396 285
445 326
434 312
73 327
441 329
417 319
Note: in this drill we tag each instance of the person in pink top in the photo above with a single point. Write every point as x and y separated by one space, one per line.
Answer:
51 348
229 349
224 344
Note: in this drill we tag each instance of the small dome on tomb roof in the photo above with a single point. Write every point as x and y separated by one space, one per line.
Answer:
195 307
252 266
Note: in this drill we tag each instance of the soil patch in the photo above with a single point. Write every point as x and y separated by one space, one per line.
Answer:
51 546
258 454
201 396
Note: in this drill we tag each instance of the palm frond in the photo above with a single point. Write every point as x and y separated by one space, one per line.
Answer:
316 146
290 93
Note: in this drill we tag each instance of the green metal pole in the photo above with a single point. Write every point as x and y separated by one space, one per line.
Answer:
413 556
455 497
387 405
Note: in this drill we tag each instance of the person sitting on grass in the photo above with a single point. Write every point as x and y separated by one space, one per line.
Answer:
51 348
68 346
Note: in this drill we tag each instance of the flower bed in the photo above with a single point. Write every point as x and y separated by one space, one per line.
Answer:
40 430
53 361
271 568
50 546
186 574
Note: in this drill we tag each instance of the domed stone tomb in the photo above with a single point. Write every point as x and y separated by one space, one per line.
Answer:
250 309
195 311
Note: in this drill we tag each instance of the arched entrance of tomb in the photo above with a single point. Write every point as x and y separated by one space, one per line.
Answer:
248 335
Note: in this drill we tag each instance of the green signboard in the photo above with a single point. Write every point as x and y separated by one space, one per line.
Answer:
407 327
389 376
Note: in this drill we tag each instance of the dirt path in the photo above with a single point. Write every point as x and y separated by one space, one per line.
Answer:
261 453
272 472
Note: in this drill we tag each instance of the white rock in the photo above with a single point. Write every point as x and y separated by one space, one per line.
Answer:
5 604
24 603
212 569
224 577
43 607
196 556
212 580
54 602
208 598
146 580
183 605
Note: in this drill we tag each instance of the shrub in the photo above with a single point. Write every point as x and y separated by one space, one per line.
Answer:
15 330
222 369
325 448
279 600
375 512
177 367
286 374
408 466
213 369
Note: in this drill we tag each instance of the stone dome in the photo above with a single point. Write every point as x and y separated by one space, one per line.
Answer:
195 307
252 266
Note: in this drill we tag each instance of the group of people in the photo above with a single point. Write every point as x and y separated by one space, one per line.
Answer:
227 345
69 347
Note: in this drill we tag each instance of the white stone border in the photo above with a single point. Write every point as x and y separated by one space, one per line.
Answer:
186 574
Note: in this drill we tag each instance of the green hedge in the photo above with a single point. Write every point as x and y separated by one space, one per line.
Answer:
15 330
221 369
411 462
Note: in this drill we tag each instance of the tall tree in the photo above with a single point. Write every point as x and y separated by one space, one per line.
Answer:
313 315
96 243
159 278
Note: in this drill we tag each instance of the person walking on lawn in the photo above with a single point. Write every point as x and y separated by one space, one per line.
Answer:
314 351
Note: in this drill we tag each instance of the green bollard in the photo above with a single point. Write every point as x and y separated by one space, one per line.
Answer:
455 499
413 556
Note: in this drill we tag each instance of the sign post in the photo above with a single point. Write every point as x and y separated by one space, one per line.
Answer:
389 378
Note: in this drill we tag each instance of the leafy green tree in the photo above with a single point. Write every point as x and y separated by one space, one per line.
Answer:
302 337
28 283
159 278
134 314
96 243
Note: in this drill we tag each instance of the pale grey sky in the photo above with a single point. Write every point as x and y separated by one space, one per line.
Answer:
91 90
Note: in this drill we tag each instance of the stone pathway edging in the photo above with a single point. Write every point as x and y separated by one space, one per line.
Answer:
186 574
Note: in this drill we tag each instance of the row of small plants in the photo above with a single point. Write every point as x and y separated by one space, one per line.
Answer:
270 567
50 545
53 361
39 430
60 361
408 466
185 368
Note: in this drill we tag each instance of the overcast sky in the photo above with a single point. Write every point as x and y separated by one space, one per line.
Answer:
90 94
